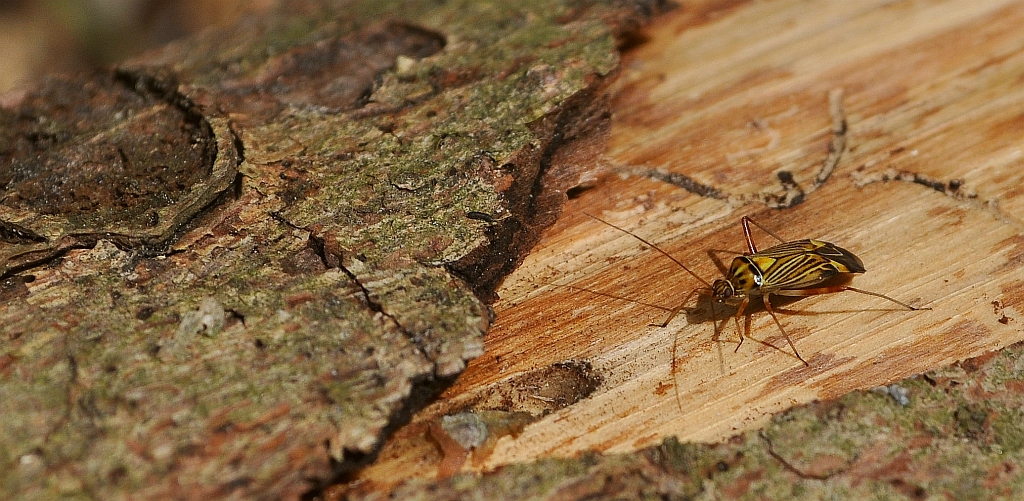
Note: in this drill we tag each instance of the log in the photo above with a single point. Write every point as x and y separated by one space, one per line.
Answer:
721 110
264 336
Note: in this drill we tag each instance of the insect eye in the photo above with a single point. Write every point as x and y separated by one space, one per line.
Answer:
723 291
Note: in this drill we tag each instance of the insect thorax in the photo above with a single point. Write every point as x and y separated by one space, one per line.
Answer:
744 275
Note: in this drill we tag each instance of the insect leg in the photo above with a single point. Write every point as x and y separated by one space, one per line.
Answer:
840 288
744 331
675 343
739 313
745 221
746 232
768 306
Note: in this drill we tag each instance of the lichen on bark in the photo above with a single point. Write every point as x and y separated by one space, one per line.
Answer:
267 339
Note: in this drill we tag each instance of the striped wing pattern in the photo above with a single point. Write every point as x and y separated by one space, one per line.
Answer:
803 263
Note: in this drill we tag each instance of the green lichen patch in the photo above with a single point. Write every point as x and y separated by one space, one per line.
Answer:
268 339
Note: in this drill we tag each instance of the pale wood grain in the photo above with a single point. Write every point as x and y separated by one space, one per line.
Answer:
730 95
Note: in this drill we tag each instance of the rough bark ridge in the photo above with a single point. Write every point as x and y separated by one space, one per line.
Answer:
227 265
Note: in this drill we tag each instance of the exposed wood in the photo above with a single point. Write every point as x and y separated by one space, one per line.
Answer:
733 95
952 434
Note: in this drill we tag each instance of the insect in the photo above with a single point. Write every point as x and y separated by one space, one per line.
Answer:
796 268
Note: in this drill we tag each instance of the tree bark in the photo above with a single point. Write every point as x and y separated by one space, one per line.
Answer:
233 265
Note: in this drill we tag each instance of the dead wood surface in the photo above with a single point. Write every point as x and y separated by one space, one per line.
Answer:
733 95
953 433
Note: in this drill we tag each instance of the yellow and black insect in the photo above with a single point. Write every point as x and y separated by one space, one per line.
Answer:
798 268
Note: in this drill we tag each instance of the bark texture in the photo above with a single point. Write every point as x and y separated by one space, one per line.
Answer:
231 266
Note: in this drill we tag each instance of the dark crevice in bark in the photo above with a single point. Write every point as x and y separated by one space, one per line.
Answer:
543 176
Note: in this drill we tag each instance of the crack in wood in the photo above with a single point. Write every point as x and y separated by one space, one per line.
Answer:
681 180
956 189
790 193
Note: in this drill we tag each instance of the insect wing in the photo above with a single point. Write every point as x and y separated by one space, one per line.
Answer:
844 260
803 263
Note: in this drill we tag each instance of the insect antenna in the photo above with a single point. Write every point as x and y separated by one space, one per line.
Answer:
605 294
655 247
672 315
674 311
